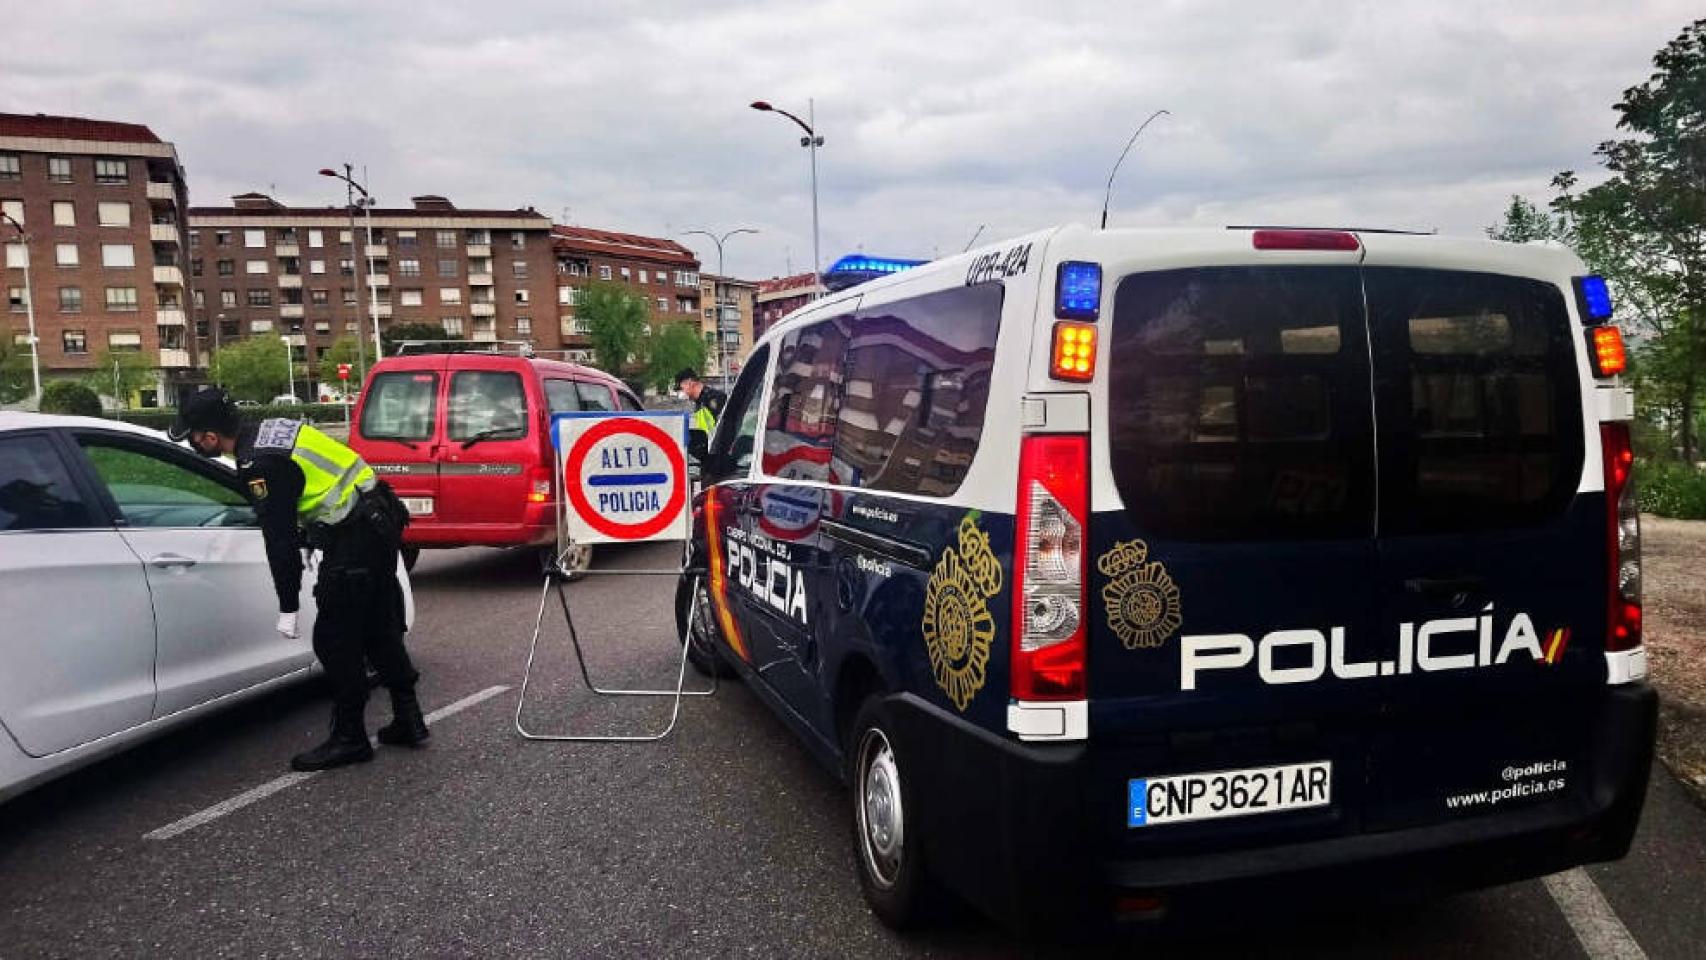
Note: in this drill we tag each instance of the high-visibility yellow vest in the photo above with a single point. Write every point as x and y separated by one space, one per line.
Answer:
333 474
704 419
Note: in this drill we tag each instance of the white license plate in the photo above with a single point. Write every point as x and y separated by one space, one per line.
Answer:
1228 793
418 506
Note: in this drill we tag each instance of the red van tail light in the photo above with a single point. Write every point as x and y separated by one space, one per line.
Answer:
1305 240
1049 603
539 487
1622 540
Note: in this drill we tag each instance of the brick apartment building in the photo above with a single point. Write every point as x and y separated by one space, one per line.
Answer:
101 203
727 322
259 267
662 271
780 296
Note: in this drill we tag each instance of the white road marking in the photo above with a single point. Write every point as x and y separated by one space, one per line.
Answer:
271 787
1601 934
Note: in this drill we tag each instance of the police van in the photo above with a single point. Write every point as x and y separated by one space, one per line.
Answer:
1112 568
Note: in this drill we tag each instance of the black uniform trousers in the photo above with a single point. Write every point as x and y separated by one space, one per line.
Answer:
360 617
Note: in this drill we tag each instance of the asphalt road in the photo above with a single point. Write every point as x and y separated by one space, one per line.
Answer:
725 839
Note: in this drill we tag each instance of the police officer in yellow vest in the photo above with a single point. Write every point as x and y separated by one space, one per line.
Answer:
707 407
309 489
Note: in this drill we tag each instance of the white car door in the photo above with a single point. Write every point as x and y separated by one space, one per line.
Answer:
76 622
214 603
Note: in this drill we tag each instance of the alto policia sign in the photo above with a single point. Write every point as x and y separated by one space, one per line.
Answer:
624 476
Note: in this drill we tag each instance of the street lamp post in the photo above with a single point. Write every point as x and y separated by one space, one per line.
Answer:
722 357
289 368
811 141
351 188
29 307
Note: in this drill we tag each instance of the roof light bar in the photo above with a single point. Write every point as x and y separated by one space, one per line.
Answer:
858 268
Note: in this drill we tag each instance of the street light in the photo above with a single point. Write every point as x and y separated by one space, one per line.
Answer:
810 141
289 368
722 358
351 188
29 305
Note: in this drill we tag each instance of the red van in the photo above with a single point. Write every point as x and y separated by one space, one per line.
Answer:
465 440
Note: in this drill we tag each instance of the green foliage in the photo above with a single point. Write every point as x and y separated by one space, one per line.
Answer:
617 323
15 380
673 347
405 331
311 412
1524 222
119 373
69 396
1672 490
251 369
342 351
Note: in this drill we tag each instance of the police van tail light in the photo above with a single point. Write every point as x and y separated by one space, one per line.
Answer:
1049 603
1623 539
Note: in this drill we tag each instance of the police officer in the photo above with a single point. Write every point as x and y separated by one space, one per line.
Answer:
309 489
707 403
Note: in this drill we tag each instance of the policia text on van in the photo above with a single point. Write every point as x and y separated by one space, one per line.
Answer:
1114 566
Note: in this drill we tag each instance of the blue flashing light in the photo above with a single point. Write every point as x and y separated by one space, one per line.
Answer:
1594 298
858 268
1078 290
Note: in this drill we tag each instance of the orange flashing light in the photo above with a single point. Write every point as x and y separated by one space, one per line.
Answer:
1609 358
1074 352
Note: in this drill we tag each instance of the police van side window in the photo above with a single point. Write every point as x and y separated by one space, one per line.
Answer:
799 429
917 387
1239 404
738 427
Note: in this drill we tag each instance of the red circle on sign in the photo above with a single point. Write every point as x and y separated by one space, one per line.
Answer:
577 492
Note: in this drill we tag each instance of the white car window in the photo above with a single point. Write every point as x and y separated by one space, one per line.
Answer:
152 489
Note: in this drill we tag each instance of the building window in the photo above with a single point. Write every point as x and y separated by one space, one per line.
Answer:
255 267
663 304
517 240
479 238
344 237
322 326
124 341
8 166
74 341
626 276
446 239
261 297
409 298
447 268
520 268
451 325
604 272
17 255
566 296
195 238
13 209
316 238
65 254
64 213
524 325
222 238
227 268
346 268
349 296
195 266
70 299
15 299
260 326
317 267
228 299
122 299
450 295
521 297
289 267
408 268
407 240
319 297
643 276
112 171
684 305
254 239
112 214
121 255
59 169
199 298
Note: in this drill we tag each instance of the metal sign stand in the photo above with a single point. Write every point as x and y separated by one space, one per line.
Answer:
556 578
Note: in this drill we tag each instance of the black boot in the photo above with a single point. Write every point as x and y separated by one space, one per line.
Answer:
347 744
407 727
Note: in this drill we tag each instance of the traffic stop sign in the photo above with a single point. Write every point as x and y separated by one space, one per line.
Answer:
343 371
624 476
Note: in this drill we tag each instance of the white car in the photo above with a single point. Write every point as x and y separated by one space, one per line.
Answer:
134 593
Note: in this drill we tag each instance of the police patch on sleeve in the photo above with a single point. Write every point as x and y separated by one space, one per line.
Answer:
258 488
277 434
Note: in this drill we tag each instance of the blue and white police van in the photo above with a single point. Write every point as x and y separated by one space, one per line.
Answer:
1112 568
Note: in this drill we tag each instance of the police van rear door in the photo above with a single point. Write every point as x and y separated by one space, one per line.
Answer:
1491 546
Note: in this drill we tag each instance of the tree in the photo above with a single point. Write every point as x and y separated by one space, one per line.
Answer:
250 369
69 397
1524 222
1644 228
674 346
343 351
407 331
118 374
617 323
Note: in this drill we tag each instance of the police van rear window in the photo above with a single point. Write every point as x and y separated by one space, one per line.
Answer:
401 406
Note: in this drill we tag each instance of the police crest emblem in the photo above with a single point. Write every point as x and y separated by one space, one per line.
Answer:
1140 598
958 627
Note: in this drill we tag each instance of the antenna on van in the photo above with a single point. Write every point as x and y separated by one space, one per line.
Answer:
974 237
1108 197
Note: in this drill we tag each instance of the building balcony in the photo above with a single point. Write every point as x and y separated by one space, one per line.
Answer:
382 310
170 276
379 279
171 359
163 233
375 250
480 250
483 309
296 339
290 310
484 335
287 250
290 281
479 279
162 191
169 317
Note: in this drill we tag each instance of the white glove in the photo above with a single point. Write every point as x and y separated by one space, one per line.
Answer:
287 625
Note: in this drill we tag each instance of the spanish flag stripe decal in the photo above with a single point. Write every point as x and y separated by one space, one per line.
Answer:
719 582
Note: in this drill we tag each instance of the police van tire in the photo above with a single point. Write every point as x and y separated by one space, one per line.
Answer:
701 649
410 555
886 845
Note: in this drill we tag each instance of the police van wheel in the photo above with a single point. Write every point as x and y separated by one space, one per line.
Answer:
701 633
891 867
410 555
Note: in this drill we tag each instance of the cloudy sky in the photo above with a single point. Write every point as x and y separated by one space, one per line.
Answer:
939 117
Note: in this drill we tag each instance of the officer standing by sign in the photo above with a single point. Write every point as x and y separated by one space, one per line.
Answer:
309 489
707 407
